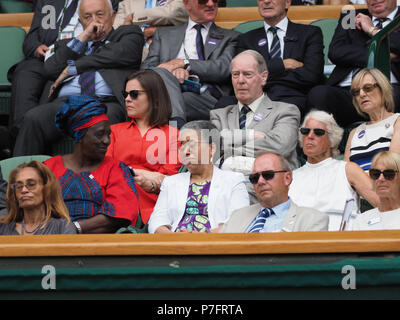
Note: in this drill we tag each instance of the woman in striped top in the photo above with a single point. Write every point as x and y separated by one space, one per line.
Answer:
373 98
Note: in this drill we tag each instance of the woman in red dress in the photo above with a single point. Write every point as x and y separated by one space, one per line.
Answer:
146 143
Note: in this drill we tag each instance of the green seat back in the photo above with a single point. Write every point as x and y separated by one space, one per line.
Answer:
9 164
10 52
249 25
328 27
10 6
241 3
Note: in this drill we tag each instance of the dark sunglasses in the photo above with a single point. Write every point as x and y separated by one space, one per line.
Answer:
317 132
366 88
205 1
30 185
388 174
133 94
267 175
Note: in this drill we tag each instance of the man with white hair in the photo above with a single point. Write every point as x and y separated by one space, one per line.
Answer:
325 183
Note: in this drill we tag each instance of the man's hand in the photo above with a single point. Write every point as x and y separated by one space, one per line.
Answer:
364 23
181 74
394 57
149 32
63 75
172 64
40 51
291 64
259 135
128 20
94 32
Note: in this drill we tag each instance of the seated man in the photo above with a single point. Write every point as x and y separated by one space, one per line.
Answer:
274 211
198 49
293 52
255 123
95 63
150 14
325 183
349 52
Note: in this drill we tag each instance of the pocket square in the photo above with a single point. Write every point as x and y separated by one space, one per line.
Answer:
290 39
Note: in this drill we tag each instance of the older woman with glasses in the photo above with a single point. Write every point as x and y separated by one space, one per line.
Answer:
373 99
202 199
146 143
384 173
35 204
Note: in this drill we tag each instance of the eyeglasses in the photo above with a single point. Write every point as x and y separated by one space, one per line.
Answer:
366 88
205 1
317 132
30 185
267 175
388 174
133 94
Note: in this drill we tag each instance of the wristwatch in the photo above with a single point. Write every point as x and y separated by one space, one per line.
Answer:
187 64
78 227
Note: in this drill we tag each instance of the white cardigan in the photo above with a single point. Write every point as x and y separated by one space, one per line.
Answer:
227 193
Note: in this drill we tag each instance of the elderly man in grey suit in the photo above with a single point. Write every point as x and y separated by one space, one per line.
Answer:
275 211
255 123
197 51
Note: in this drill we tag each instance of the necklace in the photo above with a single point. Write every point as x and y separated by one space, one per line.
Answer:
23 229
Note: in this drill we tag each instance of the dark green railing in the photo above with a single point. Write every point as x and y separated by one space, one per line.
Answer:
379 49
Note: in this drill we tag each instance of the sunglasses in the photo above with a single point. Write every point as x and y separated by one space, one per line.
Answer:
388 174
205 1
133 94
267 175
317 132
366 88
30 185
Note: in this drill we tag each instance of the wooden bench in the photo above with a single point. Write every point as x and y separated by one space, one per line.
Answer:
226 18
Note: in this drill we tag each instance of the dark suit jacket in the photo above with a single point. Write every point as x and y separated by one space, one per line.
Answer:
349 50
303 43
121 54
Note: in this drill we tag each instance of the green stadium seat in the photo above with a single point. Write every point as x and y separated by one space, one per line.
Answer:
9 164
10 6
241 3
249 25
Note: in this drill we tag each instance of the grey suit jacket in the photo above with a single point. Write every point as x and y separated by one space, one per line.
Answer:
219 50
279 121
296 219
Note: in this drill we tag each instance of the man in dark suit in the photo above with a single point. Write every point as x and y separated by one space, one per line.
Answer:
293 52
101 56
348 51
198 49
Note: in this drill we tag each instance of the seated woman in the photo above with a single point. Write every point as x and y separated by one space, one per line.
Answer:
373 98
35 204
202 199
99 191
146 143
384 173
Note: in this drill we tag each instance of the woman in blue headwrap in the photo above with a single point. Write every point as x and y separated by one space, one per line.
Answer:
99 192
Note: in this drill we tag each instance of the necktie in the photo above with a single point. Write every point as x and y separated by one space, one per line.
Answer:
275 50
87 79
379 25
69 13
242 116
260 220
199 42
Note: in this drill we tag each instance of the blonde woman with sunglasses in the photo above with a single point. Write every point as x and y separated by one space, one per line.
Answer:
373 98
384 173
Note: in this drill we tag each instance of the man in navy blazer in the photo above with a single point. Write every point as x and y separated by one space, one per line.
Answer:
299 65
349 52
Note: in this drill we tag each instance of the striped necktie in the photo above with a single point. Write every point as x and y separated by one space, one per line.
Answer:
199 41
87 80
69 13
379 25
243 116
260 220
275 50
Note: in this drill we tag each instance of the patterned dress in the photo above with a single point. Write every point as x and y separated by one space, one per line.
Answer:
196 211
109 190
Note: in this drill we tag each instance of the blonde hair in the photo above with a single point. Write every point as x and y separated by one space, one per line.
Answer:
384 86
52 197
390 159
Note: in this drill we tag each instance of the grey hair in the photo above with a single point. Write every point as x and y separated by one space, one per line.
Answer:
205 129
108 1
285 165
261 64
335 132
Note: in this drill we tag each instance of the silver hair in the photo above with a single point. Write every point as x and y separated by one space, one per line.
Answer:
285 165
108 1
205 130
335 132
261 64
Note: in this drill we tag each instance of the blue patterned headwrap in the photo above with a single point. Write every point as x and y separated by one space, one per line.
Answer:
75 113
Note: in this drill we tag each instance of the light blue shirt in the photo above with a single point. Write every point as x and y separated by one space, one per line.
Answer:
72 87
274 221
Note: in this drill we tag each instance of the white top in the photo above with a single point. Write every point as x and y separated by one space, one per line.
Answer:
370 139
324 187
375 220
